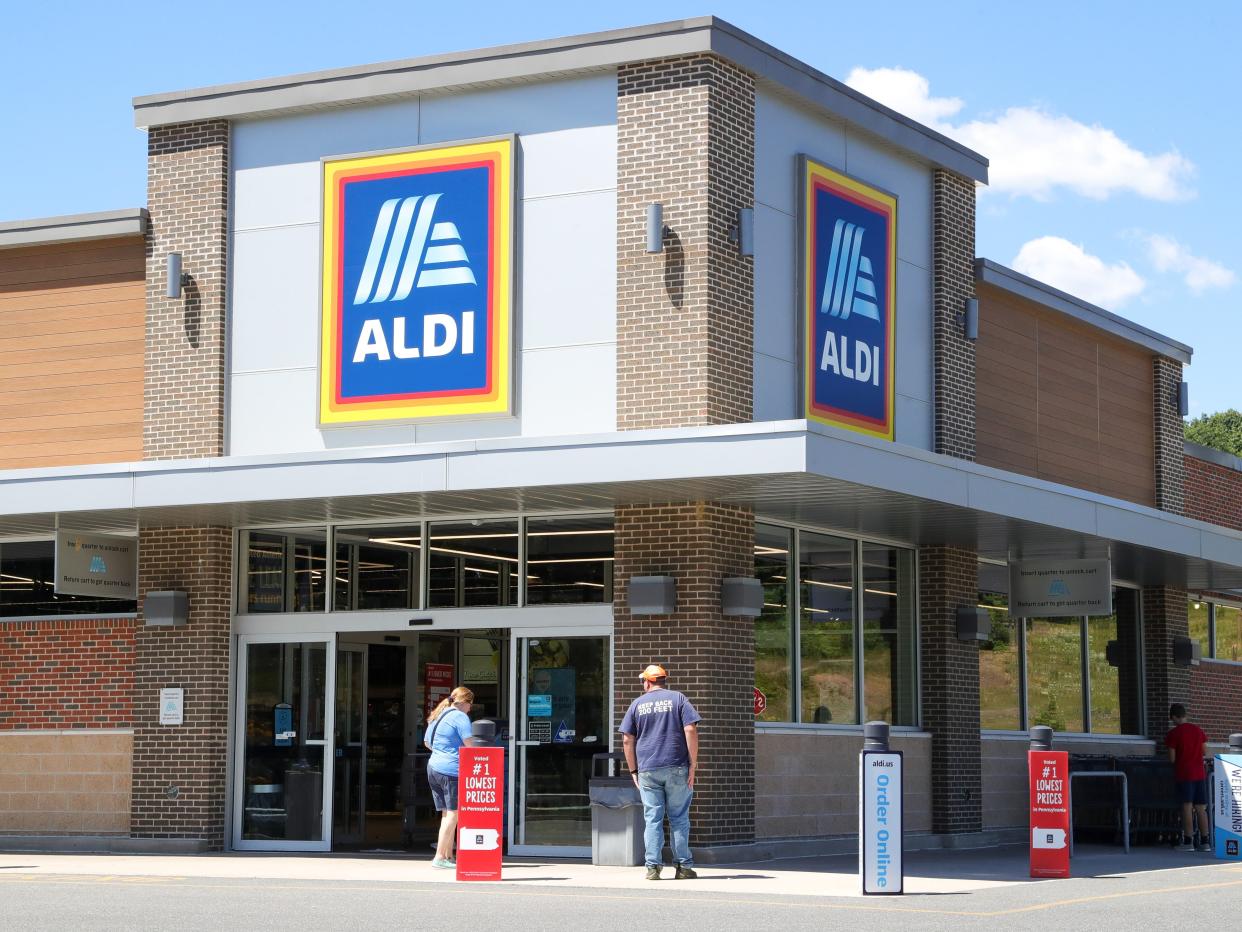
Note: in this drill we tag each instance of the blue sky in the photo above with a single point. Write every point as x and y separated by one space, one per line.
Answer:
1113 127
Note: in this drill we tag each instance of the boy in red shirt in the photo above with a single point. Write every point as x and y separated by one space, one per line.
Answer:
1187 744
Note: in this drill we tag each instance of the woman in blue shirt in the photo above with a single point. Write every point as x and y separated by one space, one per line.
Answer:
448 729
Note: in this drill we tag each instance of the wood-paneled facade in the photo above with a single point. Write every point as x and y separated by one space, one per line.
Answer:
1062 401
72 340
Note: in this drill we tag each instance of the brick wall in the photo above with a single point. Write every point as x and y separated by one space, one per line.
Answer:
1212 492
1170 436
66 674
949 577
709 657
685 323
953 281
1164 617
1214 706
187 196
179 773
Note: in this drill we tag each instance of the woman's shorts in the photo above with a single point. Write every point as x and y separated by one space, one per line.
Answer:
443 789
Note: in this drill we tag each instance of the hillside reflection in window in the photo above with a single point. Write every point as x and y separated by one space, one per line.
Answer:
569 560
472 564
27 580
376 568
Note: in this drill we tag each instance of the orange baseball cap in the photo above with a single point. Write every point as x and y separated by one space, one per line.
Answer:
653 672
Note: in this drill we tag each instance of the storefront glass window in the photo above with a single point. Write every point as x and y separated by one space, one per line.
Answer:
569 560
27 577
1000 661
376 568
1228 633
1054 672
826 629
888 633
1197 614
286 571
1103 676
773 631
472 564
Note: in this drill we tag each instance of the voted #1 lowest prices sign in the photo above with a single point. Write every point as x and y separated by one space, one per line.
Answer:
480 808
880 822
1050 813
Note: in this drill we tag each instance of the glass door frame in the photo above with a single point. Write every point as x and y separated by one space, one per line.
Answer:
239 737
517 755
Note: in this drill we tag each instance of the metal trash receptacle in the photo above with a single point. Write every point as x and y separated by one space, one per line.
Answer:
616 816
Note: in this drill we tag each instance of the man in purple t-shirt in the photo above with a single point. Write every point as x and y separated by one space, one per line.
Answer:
661 739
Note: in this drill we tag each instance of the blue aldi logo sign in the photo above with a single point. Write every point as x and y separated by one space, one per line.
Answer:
417 293
848 287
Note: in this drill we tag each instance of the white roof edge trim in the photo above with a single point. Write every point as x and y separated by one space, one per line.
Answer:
105 224
551 58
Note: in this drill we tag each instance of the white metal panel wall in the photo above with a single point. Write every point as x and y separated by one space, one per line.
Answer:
782 132
565 307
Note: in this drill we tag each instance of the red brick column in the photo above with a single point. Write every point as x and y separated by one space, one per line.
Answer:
179 771
187 197
685 318
1164 617
179 774
709 657
949 577
953 281
1170 436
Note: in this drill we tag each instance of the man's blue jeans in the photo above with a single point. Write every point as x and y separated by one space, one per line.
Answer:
665 792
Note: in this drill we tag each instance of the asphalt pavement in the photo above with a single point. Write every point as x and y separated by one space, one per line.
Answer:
943 890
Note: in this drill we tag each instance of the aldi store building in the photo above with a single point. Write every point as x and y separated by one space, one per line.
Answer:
527 367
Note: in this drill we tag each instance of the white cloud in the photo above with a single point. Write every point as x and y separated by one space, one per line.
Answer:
1168 255
1067 266
1032 151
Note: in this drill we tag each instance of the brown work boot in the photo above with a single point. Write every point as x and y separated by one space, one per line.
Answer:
653 873
685 873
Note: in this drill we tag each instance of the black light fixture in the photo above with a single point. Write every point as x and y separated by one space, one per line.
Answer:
652 595
656 230
743 232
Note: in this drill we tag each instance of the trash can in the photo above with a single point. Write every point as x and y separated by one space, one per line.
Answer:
616 815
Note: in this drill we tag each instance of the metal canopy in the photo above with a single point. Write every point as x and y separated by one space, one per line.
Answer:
786 471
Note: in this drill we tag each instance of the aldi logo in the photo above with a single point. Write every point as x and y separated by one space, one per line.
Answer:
848 285
416 300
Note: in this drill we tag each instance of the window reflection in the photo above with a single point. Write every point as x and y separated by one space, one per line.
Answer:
773 629
826 630
286 570
27 585
377 568
472 564
569 560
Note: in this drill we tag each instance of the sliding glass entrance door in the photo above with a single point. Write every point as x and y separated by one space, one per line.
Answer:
284 769
563 706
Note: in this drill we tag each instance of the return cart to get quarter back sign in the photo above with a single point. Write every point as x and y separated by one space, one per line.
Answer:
848 294
417 284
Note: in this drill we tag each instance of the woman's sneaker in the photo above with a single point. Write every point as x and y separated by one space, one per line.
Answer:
443 863
1205 846
1185 845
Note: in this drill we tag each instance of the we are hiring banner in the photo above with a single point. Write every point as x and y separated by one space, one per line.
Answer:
417 285
848 287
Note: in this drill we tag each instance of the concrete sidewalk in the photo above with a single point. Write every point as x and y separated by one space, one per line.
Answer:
926 873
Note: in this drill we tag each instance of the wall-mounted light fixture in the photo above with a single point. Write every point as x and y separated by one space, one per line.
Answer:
166 609
741 595
656 230
652 595
743 232
970 319
172 287
1186 651
1183 399
973 623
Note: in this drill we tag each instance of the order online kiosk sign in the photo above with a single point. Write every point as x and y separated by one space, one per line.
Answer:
417 284
848 295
